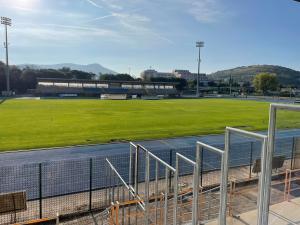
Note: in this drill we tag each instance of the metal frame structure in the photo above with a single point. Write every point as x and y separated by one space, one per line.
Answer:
195 188
168 169
271 146
111 198
224 176
264 140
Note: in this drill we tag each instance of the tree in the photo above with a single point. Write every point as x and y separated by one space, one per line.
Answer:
2 77
118 77
124 76
265 82
77 74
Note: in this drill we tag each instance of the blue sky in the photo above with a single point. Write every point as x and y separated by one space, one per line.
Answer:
139 34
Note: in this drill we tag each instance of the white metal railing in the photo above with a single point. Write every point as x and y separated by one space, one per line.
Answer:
137 149
263 139
270 151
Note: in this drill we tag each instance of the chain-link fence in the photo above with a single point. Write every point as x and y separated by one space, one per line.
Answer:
78 186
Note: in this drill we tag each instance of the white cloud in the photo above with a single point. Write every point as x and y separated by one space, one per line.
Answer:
131 23
61 34
124 22
140 25
206 11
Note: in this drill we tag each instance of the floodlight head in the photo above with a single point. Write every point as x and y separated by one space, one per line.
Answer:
297 0
199 44
5 21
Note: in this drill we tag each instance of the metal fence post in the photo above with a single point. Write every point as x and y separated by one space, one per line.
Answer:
250 160
40 191
147 180
57 219
130 164
175 191
170 157
133 170
91 184
136 170
201 168
293 153
166 197
170 173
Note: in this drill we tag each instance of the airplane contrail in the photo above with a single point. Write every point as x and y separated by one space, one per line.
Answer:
112 14
100 18
94 4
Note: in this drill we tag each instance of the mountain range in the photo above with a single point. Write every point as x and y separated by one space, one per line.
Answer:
90 68
286 76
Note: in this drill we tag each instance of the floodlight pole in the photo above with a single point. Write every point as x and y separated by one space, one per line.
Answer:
199 44
7 66
6 22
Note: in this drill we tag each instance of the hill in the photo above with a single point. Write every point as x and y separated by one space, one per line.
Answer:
285 75
90 68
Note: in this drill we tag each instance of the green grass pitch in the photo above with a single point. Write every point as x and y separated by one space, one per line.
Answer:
29 124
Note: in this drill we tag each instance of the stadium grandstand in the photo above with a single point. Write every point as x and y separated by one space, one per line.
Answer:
106 89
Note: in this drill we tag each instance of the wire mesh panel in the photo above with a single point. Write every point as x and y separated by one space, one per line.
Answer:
162 188
99 183
152 179
210 180
21 178
125 206
157 186
247 194
210 169
292 184
187 188
65 187
209 205
279 161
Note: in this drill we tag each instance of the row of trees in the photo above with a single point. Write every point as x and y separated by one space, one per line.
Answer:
23 79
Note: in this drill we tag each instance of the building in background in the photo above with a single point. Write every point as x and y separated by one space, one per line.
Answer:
183 74
187 75
148 74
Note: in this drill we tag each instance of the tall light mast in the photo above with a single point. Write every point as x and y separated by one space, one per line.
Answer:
6 22
199 44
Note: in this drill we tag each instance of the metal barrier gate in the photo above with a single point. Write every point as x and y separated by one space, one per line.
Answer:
164 196
274 108
122 199
263 139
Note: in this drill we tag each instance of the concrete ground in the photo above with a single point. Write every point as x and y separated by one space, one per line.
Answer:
285 213
282 213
